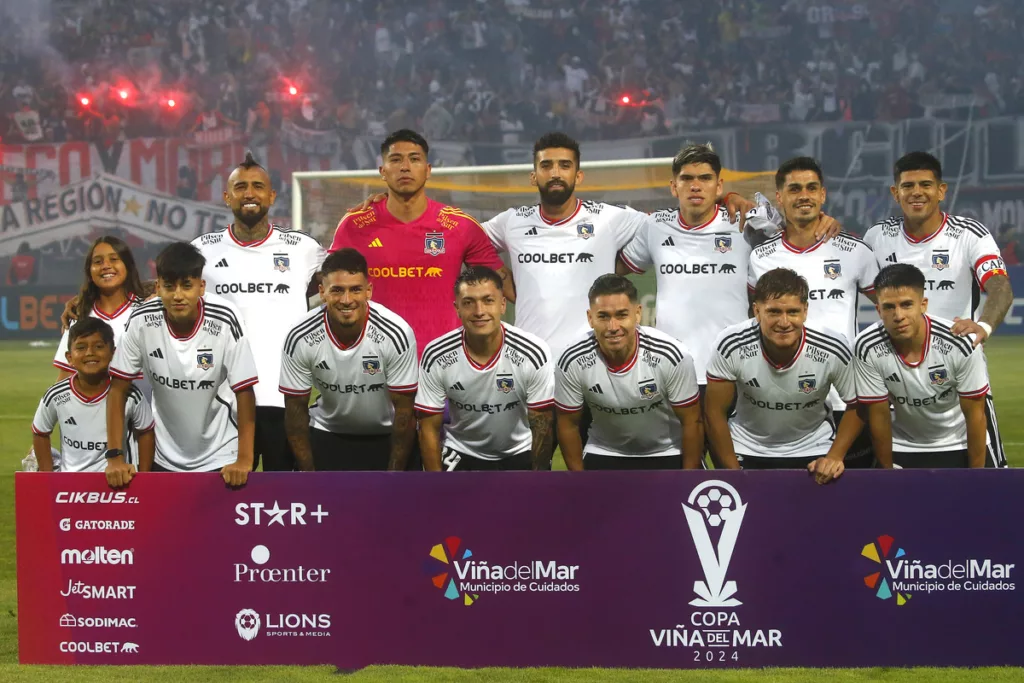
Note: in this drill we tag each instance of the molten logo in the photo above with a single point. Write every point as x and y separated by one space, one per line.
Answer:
97 555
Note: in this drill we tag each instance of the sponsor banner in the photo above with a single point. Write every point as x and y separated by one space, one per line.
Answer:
33 312
314 142
105 201
673 570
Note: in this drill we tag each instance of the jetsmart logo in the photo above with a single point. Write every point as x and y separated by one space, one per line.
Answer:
97 555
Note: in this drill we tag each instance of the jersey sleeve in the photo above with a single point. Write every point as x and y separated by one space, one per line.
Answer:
342 237
60 358
869 382
479 248
430 396
867 269
626 229
637 253
45 418
752 274
681 383
296 377
241 365
721 368
972 375
127 361
985 257
138 414
402 370
495 229
540 392
843 378
317 260
568 389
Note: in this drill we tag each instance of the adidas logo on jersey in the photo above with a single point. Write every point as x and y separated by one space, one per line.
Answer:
668 243
457 387
597 389
157 354
376 242
223 263
70 421
531 231
323 365
893 378
891 258
754 383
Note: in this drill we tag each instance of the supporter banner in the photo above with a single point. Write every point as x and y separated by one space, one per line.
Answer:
32 312
28 124
222 135
105 202
314 142
650 569
758 113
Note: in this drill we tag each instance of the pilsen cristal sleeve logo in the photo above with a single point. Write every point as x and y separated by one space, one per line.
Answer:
714 513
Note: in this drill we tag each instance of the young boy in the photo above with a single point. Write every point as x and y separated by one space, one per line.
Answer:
79 405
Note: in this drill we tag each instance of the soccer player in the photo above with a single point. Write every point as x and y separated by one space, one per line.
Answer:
192 348
936 381
958 255
362 360
498 380
78 405
415 246
268 274
639 383
782 371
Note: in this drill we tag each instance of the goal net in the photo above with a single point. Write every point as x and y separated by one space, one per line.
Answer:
321 198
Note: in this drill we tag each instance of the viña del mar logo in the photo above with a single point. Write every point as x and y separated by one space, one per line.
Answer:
901 576
460 575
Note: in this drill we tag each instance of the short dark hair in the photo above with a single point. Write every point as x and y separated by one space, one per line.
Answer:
613 284
797 164
556 140
900 275
477 274
696 154
404 135
781 282
88 326
348 260
249 162
916 161
178 261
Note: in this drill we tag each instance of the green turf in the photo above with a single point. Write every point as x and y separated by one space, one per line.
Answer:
26 372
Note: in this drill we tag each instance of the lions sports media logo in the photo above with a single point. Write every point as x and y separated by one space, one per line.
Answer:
445 554
723 243
433 243
247 623
714 506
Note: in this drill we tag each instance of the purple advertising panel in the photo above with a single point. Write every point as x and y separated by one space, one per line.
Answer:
603 569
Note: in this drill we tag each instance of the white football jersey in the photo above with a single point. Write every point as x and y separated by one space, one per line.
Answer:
194 381
354 381
83 423
632 404
956 260
488 403
926 395
117 320
267 282
836 272
700 273
554 264
782 411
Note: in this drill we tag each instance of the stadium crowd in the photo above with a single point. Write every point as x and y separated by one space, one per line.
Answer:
496 70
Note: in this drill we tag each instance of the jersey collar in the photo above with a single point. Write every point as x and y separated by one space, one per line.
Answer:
493 359
797 250
628 365
86 399
540 212
195 327
924 346
929 238
336 341
796 356
124 307
231 233
690 228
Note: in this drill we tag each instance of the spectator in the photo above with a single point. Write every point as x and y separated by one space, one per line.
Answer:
22 270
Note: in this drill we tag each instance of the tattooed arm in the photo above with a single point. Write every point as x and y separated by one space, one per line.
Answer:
542 429
403 432
296 426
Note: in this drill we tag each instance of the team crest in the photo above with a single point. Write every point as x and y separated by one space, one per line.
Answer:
505 383
833 269
371 365
938 376
585 230
282 262
807 384
433 243
940 260
723 243
204 359
648 390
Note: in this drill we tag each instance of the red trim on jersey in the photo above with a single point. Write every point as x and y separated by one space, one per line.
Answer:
36 431
404 389
684 226
63 366
195 327
924 347
121 309
750 287
257 243
244 384
362 332
869 290
542 405
120 374
906 235
995 271
492 361
975 394
628 365
712 378
688 402
87 399
872 399
629 264
151 427
427 409
540 212
293 392
797 250
796 356
568 409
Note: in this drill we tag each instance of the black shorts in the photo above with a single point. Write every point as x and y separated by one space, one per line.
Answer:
271 443
938 459
349 452
455 461
760 462
996 454
593 461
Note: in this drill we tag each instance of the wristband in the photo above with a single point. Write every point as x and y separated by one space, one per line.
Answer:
112 453
986 327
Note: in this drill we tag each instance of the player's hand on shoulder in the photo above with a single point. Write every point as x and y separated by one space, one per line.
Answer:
69 316
963 327
826 469
369 201
119 473
737 207
828 228
235 474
